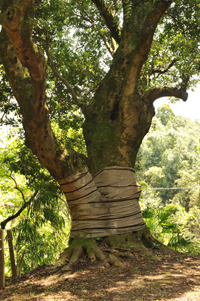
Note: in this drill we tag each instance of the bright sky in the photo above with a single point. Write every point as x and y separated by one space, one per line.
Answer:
190 108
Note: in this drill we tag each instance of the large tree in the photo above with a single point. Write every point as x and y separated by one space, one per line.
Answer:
109 60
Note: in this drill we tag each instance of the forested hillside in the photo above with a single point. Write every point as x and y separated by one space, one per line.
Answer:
168 165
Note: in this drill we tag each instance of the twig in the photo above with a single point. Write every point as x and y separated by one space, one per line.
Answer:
58 75
4 223
16 187
164 70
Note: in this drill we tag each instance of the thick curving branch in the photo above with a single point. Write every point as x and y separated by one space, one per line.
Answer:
153 94
109 20
10 17
12 21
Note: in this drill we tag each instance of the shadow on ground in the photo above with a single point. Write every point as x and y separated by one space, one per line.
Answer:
162 277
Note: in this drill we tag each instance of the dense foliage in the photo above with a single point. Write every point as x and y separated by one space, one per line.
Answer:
32 205
168 166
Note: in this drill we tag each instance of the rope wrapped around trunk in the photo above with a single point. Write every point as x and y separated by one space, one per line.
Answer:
104 204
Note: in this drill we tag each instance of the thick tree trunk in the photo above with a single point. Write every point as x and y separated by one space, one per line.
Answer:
104 205
113 137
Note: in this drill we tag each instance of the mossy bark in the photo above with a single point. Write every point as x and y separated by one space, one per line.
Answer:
114 137
113 249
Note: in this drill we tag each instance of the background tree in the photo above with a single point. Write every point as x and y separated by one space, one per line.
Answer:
168 166
165 114
169 158
32 204
152 48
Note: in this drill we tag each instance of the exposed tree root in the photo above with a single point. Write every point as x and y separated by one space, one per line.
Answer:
77 248
111 248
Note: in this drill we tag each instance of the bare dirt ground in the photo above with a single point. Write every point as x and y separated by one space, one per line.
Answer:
159 278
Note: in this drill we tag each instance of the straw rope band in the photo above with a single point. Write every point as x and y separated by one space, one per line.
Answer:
104 204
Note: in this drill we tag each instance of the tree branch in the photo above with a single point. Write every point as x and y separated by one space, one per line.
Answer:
10 218
164 70
111 51
11 19
23 4
63 80
20 36
185 81
115 5
153 94
37 2
109 20
177 24
16 187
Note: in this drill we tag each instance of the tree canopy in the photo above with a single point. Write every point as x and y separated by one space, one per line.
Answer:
81 39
